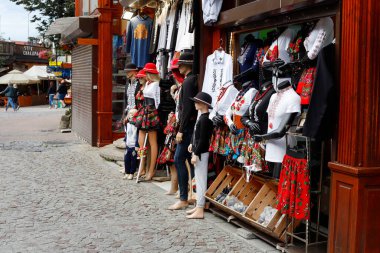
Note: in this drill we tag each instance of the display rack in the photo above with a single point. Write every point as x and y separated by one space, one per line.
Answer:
306 235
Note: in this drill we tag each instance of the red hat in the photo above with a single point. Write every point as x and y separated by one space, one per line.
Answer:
141 74
151 68
174 64
178 76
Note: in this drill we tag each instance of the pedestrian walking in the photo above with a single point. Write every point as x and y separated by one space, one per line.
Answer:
10 93
15 98
51 92
61 93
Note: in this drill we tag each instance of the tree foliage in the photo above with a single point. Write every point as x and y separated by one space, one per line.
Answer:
48 11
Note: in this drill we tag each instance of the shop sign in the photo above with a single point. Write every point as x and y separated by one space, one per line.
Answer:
55 63
58 73
26 50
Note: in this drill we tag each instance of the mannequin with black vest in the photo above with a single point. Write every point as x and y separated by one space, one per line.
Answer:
187 117
283 107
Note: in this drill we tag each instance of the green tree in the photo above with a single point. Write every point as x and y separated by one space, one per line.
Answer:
48 11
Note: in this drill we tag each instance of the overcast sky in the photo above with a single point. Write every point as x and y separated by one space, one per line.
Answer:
14 22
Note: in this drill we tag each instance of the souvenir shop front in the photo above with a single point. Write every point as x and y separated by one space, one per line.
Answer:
288 144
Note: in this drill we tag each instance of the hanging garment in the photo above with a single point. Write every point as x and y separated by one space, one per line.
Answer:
322 112
282 103
139 34
172 20
305 85
162 21
279 47
219 71
211 10
185 40
247 57
321 36
293 196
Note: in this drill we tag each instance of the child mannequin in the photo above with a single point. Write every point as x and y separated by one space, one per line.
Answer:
199 149
130 155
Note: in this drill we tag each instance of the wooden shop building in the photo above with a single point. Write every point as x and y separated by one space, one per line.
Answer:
350 190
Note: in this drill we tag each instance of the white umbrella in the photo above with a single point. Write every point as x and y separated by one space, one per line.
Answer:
39 73
16 76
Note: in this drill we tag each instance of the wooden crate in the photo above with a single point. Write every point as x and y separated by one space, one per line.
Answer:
246 191
228 177
265 197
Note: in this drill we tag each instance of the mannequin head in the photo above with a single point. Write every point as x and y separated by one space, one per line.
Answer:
185 63
152 77
142 77
177 76
131 71
152 74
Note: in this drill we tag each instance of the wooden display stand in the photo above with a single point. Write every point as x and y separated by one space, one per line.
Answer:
256 194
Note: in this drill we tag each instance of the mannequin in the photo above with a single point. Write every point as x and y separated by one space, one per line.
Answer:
283 107
226 96
256 118
149 122
187 116
238 107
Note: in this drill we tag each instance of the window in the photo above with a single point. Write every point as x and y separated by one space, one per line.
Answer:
89 6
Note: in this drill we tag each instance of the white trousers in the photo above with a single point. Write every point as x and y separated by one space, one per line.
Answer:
201 171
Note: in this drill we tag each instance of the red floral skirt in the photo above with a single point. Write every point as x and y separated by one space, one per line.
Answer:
146 118
293 196
218 143
167 154
305 85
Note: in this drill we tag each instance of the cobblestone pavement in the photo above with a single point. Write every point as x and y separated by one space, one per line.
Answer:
60 196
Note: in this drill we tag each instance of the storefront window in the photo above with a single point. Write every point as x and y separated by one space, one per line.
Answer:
89 6
118 84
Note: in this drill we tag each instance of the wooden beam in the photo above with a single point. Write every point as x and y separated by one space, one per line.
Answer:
259 9
87 41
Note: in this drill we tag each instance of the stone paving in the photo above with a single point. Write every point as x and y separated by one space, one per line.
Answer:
60 196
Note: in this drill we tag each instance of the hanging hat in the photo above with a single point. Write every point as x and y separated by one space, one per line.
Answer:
203 97
186 59
151 68
174 64
141 74
130 67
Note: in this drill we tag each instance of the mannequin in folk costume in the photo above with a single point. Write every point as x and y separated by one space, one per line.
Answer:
147 120
167 155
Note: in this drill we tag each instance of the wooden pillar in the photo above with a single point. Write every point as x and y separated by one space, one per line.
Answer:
78 8
355 190
104 108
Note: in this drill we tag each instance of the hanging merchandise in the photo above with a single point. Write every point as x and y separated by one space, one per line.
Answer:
139 34
185 39
248 52
162 21
293 196
211 10
321 36
321 115
174 16
218 72
279 47
305 85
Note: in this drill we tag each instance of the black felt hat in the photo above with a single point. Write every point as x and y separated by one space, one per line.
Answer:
203 97
186 59
131 67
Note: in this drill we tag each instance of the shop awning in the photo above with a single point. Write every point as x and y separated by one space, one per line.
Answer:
59 25
72 27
